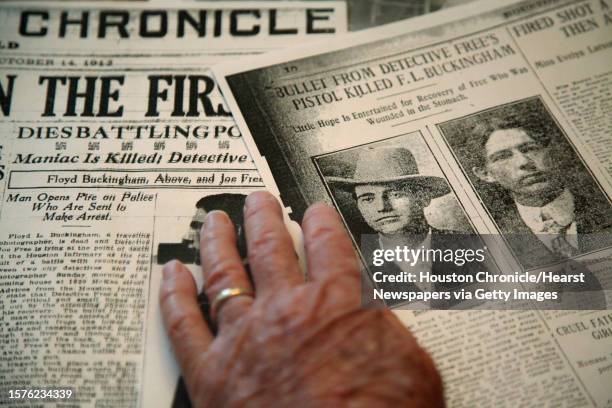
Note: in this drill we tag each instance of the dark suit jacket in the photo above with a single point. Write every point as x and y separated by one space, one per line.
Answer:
593 217
440 239
593 225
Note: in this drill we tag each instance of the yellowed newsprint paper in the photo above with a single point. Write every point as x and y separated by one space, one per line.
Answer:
492 119
114 141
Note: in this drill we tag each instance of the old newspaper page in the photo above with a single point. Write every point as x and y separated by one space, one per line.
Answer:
114 142
490 120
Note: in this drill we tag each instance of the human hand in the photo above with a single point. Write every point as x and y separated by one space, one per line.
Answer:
296 343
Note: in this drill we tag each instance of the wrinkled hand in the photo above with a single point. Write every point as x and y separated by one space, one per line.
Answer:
297 343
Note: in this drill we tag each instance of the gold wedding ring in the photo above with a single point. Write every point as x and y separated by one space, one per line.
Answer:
224 296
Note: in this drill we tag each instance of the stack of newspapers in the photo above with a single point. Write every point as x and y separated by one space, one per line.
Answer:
121 123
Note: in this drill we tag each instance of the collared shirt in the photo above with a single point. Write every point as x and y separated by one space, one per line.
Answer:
418 266
554 219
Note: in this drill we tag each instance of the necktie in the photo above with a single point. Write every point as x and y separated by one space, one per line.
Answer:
557 236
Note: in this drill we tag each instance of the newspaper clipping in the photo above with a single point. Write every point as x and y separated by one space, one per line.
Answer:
114 142
491 120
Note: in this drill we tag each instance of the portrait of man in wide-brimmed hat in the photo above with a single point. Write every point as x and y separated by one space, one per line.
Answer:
391 194
389 191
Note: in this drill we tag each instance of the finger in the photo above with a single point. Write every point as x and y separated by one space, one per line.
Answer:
222 266
329 251
272 258
188 333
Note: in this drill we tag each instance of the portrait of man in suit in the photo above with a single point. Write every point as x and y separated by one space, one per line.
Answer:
391 196
537 190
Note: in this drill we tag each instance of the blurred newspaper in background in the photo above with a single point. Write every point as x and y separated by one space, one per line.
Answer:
371 13
114 141
498 113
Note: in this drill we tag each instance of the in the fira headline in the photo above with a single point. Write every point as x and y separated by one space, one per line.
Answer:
101 96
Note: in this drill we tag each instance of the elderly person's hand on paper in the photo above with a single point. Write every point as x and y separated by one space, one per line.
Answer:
287 342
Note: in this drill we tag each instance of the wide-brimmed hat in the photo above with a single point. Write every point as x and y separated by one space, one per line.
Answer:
390 165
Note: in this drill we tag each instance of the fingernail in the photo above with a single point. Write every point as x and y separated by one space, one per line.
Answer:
318 205
170 270
214 218
257 197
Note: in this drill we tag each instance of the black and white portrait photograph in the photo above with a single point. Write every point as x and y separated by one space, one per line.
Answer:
392 193
187 250
532 182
